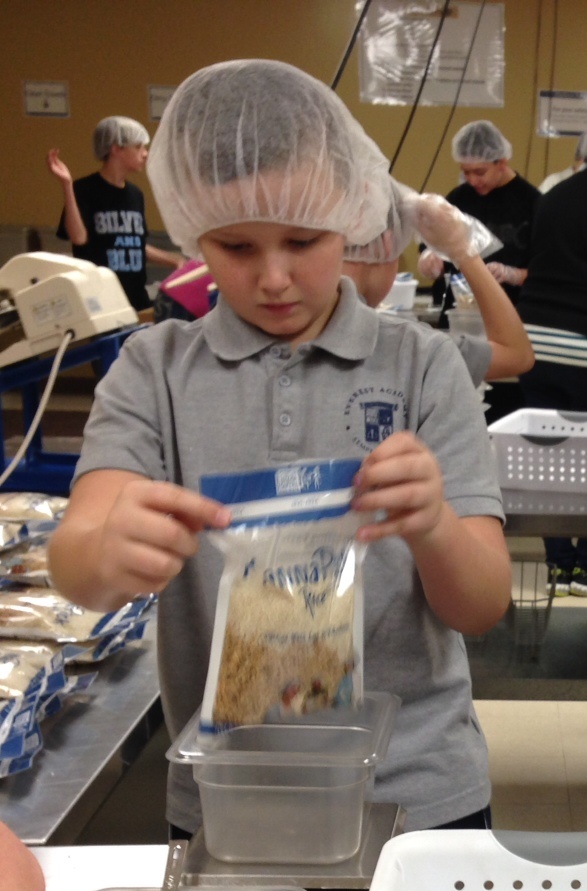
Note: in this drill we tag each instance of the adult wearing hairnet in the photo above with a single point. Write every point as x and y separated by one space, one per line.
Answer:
104 213
579 160
505 202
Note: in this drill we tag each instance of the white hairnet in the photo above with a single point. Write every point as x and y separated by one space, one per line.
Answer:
260 140
400 231
117 130
480 141
581 150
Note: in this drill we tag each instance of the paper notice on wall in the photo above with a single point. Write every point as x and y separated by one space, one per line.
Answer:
465 68
46 99
158 97
562 113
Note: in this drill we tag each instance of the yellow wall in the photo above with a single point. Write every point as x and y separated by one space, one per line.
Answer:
110 50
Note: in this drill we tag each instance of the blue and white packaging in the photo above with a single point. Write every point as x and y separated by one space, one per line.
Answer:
288 629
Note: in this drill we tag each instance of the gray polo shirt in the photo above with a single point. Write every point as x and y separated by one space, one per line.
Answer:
218 394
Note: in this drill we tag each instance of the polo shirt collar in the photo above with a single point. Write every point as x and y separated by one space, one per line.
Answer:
350 334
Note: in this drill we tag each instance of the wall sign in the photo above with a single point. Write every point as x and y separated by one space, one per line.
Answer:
46 98
158 98
562 113
395 42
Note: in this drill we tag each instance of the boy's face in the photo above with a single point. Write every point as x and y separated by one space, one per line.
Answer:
282 279
484 177
133 157
373 280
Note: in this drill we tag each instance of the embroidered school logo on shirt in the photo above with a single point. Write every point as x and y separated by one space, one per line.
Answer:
378 420
372 414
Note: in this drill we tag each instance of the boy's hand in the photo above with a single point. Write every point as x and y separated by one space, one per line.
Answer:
149 532
430 265
443 228
402 478
57 167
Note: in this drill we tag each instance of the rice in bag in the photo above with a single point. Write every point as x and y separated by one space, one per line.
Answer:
288 629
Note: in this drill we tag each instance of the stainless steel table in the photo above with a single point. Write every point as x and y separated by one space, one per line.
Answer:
86 748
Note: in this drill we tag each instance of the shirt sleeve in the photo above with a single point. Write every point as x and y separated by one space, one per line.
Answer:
452 424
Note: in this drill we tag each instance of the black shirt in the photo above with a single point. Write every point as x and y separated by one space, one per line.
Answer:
117 231
508 212
555 293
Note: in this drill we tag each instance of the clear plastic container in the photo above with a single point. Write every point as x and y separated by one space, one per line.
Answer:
402 294
289 793
465 321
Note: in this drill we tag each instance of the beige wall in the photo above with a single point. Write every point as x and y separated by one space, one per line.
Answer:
109 50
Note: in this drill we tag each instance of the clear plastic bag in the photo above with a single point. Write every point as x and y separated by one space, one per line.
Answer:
288 630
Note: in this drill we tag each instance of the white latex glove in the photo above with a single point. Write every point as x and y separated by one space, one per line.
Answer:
443 228
506 275
430 265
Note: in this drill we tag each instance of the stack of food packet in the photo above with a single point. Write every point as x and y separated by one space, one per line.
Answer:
46 642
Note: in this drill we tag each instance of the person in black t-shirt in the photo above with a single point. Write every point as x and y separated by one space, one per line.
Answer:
506 203
104 215
497 196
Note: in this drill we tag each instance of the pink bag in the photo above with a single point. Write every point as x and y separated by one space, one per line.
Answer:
192 286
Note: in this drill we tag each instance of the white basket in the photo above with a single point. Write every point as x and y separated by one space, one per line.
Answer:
476 859
541 449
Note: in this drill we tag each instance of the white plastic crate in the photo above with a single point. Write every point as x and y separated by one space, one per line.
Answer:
478 859
541 449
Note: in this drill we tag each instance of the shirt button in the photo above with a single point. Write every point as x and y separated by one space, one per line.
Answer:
275 351
285 419
284 380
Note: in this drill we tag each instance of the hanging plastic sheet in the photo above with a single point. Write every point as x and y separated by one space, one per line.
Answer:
395 42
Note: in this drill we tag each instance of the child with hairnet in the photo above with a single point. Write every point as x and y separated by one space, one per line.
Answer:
260 169
505 203
104 213
495 194
506 349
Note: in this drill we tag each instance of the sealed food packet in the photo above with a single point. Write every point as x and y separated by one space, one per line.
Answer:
288 630
464 297
41 613
27 562
31 506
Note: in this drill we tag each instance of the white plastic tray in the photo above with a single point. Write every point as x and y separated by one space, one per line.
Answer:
445 860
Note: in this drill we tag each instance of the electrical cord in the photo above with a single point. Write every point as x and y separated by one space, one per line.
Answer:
552 70
443 16
456 99
350 45
67 337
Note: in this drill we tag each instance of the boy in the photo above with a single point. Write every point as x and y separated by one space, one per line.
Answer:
104 214
507 351
291 364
